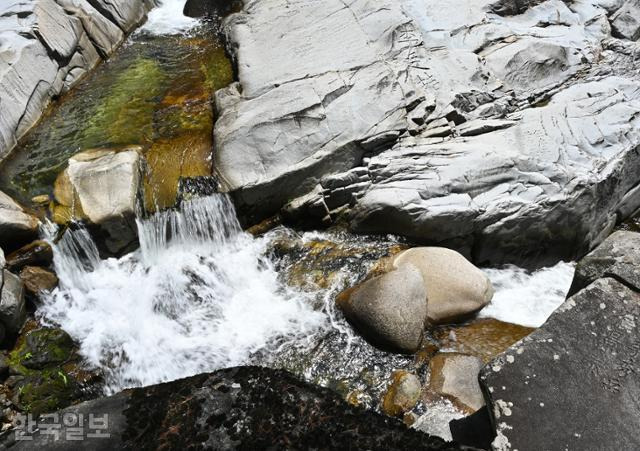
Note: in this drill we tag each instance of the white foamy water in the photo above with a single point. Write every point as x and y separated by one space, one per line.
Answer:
167 18
196 297
528 298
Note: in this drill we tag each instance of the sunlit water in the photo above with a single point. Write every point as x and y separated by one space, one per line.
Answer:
200 294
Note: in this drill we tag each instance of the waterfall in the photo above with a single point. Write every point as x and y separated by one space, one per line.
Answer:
197 296
167 18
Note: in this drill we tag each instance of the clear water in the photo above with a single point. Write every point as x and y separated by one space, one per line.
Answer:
155 91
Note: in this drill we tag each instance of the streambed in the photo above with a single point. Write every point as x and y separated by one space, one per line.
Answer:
176 308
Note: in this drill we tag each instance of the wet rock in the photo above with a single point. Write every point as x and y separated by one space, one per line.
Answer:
455 376
402 394
578 370
389 310
240 408
37 253
102 186
455 288
484 79
48 46
485 338
38 280
13 311
16 226
47 371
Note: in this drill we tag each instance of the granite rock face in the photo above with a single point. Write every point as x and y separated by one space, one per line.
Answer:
47 45
573 384
238 408
508 130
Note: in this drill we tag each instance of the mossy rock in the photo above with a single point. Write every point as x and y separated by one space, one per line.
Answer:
46 391
47 370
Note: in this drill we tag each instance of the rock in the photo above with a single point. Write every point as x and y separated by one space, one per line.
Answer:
208 8
37 253
455 376
484 338
102 186
455 288
38 280
16 226
402 394
625 23
46 371
474 430
505 132
589 345
389 310
239 408
48 45
617 257
2 266
13 311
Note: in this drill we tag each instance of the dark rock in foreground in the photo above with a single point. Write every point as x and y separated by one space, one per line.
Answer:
238 408
573 384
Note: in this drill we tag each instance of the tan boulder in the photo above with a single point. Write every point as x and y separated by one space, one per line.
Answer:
402 394
455 287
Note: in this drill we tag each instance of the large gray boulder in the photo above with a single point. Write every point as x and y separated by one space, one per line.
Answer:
390 310
507 136
573 383
17 227
47 46
103 187
455 288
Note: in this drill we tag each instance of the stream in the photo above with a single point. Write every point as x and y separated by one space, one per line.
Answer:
200 293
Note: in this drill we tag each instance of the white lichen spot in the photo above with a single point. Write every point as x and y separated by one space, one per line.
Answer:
556 357
503 408
511 359
520 350
541 404
603 306
496 368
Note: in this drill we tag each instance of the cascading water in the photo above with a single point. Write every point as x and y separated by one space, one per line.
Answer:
196 297
167 18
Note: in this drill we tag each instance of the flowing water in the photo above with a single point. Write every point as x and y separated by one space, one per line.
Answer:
200 294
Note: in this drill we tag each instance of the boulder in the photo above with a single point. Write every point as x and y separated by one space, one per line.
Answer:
38 280
625 23
507 132
13 311
402 394
455 288
236 408
618 257
16 225
47 46
102 187
455 376
37 253
389 310
47 372
579 369
209 8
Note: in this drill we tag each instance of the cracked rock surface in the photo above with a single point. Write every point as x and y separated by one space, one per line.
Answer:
508 130
47 45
